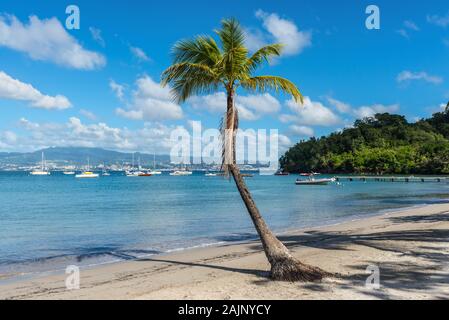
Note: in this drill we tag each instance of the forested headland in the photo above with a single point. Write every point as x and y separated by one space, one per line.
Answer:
382 144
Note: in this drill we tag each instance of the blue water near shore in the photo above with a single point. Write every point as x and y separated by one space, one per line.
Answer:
49 222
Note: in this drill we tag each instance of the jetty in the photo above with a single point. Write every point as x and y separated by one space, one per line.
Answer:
394 178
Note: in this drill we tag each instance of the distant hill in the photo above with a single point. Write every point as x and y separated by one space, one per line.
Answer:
78 156
383 144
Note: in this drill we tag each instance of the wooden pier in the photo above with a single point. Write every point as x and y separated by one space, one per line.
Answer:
444 179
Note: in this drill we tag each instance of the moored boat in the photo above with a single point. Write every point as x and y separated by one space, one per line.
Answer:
87 174
312 181
181 173
210 174
43 171
281 173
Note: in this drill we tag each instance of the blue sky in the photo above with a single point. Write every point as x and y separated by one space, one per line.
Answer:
98 86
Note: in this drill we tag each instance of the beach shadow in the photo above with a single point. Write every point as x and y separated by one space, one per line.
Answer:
259 273
401 276
439 217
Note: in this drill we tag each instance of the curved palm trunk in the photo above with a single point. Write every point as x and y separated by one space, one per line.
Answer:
283 266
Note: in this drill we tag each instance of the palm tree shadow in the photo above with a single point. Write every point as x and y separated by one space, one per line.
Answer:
394 274
258 273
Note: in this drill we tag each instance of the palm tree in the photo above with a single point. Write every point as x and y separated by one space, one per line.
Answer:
200 66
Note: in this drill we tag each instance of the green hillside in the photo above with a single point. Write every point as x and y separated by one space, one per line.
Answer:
383 144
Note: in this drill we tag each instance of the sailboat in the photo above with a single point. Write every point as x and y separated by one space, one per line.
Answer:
42 171
105 172
154 171
87 173
132 172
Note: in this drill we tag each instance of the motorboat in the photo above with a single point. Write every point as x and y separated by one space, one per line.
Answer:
281 173
312 181
210 174
69 173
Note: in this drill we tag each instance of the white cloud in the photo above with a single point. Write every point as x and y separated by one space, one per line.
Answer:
118 89
312 113
408 25
96 35
301 130
410 76
441 21
47 40
262 104
287 118
139 53
14 89
362 111
278 30
254 38
411 25
369 111
403 33
250 107
151 101
88 114
74 133
213 103
339 105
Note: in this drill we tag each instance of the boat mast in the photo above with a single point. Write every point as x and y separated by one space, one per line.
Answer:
42 163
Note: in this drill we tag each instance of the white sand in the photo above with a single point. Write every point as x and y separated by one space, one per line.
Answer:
410 248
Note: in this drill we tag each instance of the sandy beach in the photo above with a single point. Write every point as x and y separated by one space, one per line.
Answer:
410 248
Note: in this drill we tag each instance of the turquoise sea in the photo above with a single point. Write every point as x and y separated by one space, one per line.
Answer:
47 223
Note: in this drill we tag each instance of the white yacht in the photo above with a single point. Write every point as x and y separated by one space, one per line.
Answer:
182 172
87 173
43 171
69 173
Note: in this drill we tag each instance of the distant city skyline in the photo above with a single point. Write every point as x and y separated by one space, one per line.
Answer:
99 86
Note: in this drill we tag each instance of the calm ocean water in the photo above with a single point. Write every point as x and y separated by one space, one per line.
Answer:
49 222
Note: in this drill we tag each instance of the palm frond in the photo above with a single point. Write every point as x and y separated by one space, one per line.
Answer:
231 34
265 83
262 55
234 52
188 79
201 50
